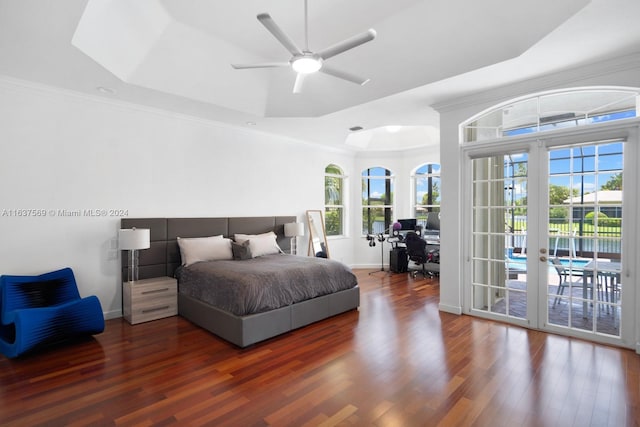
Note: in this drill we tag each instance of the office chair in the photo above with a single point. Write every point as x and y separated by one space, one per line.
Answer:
418 253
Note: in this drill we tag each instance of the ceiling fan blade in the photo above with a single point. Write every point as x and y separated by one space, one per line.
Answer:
262 65
343 75
284 39
297 86
347 44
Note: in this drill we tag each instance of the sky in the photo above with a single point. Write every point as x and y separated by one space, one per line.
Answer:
584 168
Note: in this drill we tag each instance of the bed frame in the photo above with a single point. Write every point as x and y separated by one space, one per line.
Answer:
163 257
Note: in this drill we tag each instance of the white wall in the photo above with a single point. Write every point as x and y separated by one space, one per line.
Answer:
63 151
623 71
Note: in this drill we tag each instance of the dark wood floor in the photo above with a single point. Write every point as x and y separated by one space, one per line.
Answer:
397 361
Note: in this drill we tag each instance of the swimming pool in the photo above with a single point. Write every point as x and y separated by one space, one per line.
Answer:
575 262
519 263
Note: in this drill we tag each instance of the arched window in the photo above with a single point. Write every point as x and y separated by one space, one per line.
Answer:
426 196
377 200
538 204
334 212
552 110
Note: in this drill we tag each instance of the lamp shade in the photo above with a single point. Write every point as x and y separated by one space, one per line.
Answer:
134 238
294 229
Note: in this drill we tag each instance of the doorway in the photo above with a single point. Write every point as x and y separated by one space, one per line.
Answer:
546 236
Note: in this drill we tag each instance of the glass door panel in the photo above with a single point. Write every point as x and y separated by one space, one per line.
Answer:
499 267
585 237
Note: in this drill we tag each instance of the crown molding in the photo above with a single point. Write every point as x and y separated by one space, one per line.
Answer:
12 83
535 84
48 90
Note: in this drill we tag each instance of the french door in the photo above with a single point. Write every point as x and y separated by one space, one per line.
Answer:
546 234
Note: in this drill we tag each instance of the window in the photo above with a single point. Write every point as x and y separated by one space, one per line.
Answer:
334 185
426 194
377 200
552 110
585 198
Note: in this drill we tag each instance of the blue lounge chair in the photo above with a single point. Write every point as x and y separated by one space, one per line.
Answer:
36 311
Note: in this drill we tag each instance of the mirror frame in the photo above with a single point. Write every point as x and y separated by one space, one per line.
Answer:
314 216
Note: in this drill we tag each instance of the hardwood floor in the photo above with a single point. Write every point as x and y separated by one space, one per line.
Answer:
397 361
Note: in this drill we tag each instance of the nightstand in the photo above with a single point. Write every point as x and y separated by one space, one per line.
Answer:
150 299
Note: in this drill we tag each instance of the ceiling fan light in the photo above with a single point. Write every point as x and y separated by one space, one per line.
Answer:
306 64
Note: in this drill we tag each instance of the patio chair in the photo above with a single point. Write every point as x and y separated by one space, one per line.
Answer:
564 275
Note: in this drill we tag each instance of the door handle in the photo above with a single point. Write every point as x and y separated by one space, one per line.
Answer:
543 258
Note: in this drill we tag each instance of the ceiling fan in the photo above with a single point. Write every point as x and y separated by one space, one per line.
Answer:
305 62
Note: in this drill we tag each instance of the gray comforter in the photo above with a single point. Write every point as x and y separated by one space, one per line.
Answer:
263 283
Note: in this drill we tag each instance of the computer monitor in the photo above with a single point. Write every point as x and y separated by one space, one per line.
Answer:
433 221
408 224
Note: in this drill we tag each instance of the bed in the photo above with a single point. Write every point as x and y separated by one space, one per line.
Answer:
240 327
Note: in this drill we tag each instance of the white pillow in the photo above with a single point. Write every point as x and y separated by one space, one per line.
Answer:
241 238
260 244
182 255
197 249
263 245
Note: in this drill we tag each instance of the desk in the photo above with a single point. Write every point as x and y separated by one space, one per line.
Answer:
609 271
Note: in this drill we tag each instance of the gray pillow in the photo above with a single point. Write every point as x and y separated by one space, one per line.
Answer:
241 251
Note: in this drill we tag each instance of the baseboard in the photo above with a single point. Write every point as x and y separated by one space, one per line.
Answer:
114 314
369 266
450 309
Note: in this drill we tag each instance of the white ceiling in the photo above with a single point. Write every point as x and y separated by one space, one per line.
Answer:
176 55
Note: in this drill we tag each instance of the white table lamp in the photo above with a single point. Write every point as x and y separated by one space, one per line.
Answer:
293 230
133 239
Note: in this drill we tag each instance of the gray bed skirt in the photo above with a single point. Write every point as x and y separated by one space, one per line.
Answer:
246 330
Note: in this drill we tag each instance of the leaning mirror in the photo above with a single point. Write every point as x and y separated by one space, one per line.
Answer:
317 236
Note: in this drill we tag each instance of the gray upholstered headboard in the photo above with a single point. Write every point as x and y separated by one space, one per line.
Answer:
163 257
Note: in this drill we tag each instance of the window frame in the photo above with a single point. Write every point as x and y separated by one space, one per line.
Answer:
341 207
388 209
433 207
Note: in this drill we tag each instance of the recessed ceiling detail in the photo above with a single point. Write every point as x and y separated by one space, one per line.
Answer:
175 56
399 139
185 48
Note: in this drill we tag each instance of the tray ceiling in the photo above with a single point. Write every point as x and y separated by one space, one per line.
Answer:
176 55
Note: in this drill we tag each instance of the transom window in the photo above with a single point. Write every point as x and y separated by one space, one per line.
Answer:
377 200
334 213
552 111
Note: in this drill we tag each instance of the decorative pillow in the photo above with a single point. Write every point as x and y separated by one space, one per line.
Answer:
241 251
239 238
263 245
197 249
182 254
